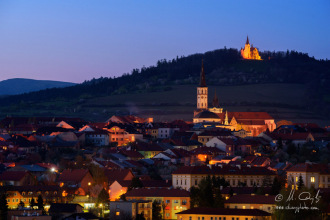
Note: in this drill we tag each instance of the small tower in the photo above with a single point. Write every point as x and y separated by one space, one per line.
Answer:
226 118
202 97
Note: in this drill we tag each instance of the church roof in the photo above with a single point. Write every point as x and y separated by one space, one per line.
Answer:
207 114
247 40
248 116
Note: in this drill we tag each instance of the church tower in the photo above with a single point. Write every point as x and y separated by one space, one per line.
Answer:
202 99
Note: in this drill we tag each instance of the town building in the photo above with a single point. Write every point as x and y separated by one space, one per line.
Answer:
188 176
131 209
253 123
174 200
313 175
251 201
222 214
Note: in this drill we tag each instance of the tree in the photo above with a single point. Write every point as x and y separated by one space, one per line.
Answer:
140 216
98 174
3 206
21 204
103 197
218 199
40 203
156 211
194 197
208 193
206 198
136 183
300 183
32 203
291 148
122 197
276 186
164 205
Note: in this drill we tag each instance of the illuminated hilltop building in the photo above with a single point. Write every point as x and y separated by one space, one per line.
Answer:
250 52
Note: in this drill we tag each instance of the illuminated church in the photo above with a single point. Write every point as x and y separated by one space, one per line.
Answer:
250 52
253 123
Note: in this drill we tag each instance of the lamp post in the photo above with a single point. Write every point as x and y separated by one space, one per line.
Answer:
101 206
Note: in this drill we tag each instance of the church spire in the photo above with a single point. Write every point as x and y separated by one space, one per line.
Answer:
247 40
226 118
202 82
215 101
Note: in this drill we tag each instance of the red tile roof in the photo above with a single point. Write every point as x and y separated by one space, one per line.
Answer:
307 167
207 150
13 175
289 136
154 192
258 161
118 174
99 125
221 211
156 183
225 170
131 153
75 175
252 199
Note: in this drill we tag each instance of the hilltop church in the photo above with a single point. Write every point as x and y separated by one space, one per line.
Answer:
250 52
253 123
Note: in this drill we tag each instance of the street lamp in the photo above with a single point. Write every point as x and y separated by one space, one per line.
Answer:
101 206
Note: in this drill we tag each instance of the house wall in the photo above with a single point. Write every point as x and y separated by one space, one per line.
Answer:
320 180
265 207
213 217
173 204
116 190
84 182
186 181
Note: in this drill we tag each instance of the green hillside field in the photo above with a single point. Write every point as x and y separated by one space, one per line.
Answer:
282 101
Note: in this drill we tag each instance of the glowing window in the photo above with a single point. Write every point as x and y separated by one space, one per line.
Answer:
313 179
117 213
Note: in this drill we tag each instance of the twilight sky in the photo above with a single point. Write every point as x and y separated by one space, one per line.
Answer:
76 40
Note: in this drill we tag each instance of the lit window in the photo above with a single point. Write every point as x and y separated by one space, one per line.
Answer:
117 213
243 206
313 179
296 179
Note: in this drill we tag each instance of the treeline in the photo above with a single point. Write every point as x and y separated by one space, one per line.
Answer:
222 67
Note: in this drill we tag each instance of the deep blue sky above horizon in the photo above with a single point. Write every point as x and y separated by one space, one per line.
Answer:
75 40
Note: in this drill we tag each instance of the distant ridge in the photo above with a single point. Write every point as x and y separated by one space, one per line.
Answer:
17 86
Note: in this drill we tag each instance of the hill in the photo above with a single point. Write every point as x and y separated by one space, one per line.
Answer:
19 86
284 82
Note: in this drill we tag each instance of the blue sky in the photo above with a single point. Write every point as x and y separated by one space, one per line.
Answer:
78 40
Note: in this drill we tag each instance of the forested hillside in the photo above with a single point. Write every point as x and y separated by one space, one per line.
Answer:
223 67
